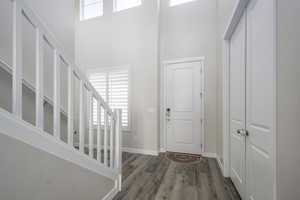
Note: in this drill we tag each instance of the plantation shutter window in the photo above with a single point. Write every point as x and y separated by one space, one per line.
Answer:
113 86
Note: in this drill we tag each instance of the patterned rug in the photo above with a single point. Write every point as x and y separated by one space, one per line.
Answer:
183 158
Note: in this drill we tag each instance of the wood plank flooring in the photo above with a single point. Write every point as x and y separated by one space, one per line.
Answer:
157 178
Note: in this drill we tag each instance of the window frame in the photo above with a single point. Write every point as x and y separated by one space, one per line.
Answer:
82 8
115 6
109 70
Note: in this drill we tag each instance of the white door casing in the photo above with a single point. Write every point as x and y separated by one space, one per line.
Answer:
184 98
260 99
237 106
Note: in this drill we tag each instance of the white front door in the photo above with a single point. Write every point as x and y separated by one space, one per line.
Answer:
183 107
237 107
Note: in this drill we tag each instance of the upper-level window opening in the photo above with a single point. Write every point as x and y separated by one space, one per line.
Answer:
179 2
90 9
125 4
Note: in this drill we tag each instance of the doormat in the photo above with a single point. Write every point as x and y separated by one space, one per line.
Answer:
183 158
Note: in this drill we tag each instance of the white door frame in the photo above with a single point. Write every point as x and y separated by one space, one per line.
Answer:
163 83
240 8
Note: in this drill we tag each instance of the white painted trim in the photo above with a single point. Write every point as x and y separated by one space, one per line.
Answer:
111 194
56 95
105 138
184 60
15 128
226 109
155 153
70 107
163 134
111 141
209 154
17 69
81 117
140 151
29 85
114 191
237 14
99 154
162 150
220 164
39 74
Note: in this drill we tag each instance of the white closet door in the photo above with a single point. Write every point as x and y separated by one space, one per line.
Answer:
237 106
260 99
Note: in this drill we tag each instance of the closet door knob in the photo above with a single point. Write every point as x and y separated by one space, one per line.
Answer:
242 132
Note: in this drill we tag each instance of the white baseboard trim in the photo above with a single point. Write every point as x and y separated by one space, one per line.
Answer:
111 194
209 155
140 151
220 164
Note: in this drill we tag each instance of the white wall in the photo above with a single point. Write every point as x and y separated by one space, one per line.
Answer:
224 10
189 30
131 37
288 100
31 174
128 37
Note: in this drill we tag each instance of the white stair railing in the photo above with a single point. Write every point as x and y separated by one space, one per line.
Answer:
109 150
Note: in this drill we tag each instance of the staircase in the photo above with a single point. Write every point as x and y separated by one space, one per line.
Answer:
98 127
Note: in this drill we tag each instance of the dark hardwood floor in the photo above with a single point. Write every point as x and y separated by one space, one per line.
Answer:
158 178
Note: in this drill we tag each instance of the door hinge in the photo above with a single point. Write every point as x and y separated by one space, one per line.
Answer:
201 94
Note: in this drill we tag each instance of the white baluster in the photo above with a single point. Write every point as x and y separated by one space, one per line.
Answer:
39 67
81 118
91 130
105 137
70 106
99 153
56 92
118 147
111 143
17 60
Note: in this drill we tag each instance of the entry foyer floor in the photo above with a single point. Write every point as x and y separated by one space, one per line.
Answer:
158 178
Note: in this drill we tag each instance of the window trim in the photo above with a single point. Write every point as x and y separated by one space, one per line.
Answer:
115 6
118 68
81 10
